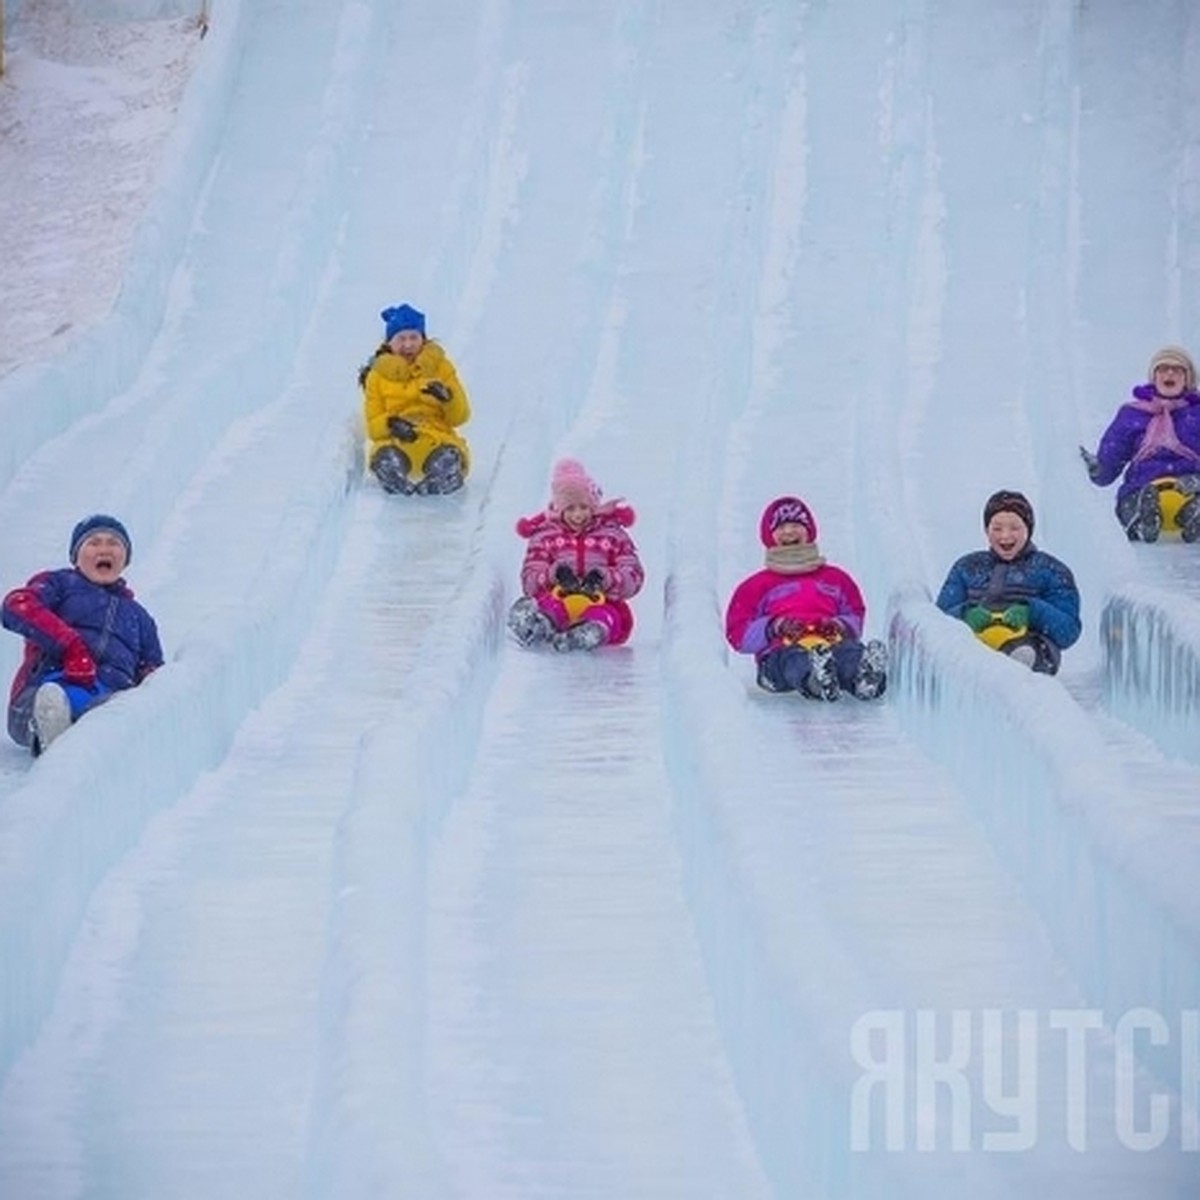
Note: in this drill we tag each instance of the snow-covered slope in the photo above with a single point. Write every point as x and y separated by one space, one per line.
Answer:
355 898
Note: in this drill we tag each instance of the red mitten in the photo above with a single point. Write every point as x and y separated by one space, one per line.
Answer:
78 665
785 629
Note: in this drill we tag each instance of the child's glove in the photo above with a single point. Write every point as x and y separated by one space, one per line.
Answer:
402 430
592 584
566 578
78 666
781 629
1091 462
977 617
1016 616
831 629
438 390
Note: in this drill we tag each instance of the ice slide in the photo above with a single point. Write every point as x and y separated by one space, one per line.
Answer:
395 909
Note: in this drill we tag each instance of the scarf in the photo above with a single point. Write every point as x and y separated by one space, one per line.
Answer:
1160 431
797 559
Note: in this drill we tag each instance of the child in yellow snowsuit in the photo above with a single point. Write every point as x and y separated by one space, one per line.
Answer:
413 404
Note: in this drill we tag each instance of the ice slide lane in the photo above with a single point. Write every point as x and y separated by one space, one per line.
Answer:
571 1045
958 256
230 634
1144 597
187 1026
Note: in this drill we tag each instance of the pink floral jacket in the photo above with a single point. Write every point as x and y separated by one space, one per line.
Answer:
602 545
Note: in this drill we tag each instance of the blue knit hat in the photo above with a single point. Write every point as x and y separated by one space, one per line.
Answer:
397 320
94 524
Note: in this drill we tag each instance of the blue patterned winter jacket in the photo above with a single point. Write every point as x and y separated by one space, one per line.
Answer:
1034 578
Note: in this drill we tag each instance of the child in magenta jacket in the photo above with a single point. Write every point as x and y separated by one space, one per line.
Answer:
801 617
580 570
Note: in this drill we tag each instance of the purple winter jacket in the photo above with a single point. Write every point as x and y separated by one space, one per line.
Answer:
1124 435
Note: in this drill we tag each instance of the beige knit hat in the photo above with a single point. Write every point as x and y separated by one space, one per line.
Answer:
1174 356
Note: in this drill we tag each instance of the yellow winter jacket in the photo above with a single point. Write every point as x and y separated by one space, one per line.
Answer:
393 388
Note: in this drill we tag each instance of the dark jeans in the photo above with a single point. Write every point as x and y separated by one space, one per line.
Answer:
786 668
20 710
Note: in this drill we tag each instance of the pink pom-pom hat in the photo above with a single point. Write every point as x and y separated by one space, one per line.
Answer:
571 484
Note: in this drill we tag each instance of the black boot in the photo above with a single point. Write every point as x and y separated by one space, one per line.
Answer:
391 469
1141 515
1188 520
443 472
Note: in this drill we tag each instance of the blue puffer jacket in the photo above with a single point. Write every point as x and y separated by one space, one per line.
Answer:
1034 578
56 606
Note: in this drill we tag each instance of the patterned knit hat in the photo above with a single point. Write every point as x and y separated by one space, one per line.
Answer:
1174 356
397 320
787 510
571 484
1009 502
98 523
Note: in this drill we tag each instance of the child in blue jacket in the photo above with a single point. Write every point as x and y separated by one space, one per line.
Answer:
1016 598
86 637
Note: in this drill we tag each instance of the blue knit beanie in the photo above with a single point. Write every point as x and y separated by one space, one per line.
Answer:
397 320
93 524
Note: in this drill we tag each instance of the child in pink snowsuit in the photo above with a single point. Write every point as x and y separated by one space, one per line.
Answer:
580 568
801 617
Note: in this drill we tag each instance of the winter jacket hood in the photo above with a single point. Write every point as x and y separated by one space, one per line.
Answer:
614 512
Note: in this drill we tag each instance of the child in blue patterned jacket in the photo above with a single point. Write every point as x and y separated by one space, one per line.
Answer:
1015 598
86 637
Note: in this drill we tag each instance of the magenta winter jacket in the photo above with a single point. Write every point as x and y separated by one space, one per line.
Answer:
825 593
601 545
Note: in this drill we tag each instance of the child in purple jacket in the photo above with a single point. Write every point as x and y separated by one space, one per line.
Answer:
86 637
1155 440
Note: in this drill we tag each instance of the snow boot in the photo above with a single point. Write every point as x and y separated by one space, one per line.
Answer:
1026 654
51 715
764 678
529 625
822 681
1141 515
443 472
587 635
870 680
1188 520
391 469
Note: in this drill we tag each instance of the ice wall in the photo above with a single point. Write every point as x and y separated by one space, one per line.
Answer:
1151 645
370 1129
1111 879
